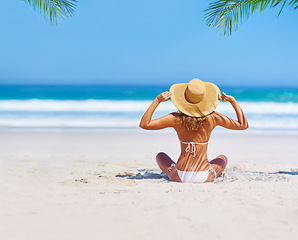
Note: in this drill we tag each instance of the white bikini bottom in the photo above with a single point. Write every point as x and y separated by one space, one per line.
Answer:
193 177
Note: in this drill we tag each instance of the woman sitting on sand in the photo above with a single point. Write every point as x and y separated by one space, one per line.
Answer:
194 122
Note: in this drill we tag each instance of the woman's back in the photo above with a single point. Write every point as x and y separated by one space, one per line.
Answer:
194 144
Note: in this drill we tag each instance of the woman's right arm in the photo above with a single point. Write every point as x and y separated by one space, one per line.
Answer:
160 123
224 121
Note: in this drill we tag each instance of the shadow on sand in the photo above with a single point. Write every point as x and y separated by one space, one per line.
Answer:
277 173
143 174
227 176
286 172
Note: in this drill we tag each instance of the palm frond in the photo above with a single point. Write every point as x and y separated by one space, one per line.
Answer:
226 15
54 9
294 4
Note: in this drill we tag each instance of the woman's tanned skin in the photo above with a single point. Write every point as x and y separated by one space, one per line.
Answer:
186 162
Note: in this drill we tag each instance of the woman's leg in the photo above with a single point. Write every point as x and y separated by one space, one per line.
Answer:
218 164
164 162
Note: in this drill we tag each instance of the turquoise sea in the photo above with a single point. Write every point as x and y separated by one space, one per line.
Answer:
101 107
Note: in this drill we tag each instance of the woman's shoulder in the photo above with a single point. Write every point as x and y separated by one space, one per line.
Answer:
212 118
171 117
174 114
215 115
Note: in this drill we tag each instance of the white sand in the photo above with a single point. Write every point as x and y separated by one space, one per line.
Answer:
106 185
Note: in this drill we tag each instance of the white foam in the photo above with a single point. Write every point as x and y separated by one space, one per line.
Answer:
83 121
67 122
37 105
127 114
288 108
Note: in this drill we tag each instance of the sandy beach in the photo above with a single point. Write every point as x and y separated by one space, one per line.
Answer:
106 185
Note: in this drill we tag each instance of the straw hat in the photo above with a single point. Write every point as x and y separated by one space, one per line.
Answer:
196 98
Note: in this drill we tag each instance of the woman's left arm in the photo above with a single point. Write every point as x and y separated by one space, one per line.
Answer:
160 123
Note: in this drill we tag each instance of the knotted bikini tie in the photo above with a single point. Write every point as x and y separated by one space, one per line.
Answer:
191 147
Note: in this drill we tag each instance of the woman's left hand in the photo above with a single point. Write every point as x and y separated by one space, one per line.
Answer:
226 98
165 96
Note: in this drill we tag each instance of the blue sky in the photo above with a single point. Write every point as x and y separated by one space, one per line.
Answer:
145 42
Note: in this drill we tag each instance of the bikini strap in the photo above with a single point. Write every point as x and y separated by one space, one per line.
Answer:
195 143
213 171
191 147
173 165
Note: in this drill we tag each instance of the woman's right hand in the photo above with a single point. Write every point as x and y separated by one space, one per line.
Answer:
226 98
165 96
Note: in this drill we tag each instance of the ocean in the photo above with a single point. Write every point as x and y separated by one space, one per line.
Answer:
121 107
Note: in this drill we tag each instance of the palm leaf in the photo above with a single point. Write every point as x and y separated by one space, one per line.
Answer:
226 15
294 4
54 9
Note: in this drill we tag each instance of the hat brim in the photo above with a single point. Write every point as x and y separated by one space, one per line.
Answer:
203 108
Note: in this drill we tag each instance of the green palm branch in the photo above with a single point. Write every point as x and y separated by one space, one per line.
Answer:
225 15
54 9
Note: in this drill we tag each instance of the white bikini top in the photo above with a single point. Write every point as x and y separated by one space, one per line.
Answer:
191 147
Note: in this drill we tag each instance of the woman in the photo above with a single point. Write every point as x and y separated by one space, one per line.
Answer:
194 122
